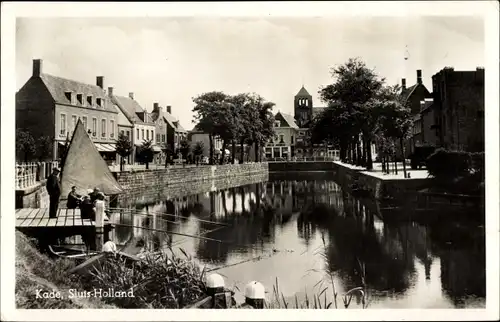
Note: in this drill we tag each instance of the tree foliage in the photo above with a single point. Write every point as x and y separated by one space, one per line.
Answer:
25 145
242 118
198 150
43 147
123 148
362 110
184 148
145 153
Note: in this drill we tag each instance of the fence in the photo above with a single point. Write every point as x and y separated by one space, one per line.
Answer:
28 174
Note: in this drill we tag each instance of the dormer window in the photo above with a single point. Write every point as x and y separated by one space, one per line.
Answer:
98 101
69 96
79 98
90 101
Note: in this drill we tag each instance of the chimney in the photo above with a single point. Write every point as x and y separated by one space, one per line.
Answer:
37 67
131 95
169 109
403 83
110 91
155 107
419 76
100 81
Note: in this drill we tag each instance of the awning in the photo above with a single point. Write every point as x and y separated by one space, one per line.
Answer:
105 147
156 148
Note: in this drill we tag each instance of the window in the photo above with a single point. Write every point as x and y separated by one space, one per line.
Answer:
147 135
122 132
79 98
98 101
89 101
103 128
137 134
94 126
142 132
111 128
69 96
73 123
277 123
291 139
158 137
128 134
163 137
282 138
63 125
152 135
84 121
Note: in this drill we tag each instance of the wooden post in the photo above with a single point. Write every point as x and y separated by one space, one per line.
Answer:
255 295
99 224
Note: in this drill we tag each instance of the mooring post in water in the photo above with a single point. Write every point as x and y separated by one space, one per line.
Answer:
255 294
99 224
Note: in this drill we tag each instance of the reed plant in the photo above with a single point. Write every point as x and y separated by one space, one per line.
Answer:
160 281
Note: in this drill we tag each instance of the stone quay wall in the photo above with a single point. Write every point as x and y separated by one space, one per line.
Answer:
149 186
345 176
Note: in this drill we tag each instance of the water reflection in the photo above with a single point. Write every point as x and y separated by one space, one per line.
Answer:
312 227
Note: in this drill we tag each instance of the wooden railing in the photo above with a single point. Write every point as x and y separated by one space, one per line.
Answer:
29 174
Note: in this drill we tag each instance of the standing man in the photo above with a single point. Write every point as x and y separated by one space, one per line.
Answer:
54 190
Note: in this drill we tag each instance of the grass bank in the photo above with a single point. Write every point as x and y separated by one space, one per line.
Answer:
38 274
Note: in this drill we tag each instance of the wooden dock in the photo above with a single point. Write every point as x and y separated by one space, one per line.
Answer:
28 218
35 222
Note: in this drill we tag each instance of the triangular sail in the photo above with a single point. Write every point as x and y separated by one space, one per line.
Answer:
85 168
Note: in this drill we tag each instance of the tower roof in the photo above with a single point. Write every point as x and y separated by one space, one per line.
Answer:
303 92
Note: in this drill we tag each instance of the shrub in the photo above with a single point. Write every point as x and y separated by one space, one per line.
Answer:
443 164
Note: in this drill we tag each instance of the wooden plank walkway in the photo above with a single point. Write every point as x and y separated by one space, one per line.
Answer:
39 218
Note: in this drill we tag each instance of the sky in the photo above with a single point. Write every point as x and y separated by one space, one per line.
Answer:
173 59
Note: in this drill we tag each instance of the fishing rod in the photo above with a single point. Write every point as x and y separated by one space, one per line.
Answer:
203 233
171 232
137 212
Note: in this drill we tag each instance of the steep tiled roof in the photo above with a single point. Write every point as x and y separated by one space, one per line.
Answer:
179 127
407 92
288 119
128 107
303 92
58 87
170 119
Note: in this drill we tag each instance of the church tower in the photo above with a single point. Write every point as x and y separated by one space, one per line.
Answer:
303 106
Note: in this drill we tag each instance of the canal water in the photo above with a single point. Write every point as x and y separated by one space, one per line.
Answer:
303 231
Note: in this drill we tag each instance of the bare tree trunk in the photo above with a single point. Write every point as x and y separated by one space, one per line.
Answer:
403 154
233 151
242 152
223 152
211 149
257 154
369 159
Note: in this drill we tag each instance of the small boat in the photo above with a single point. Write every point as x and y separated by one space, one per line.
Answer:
70 253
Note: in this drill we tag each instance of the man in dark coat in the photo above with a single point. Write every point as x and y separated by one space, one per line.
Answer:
87 208
74 199
54 190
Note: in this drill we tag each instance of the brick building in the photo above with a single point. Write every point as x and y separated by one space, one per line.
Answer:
413 95
175 132
285 135
459 109
50 106
143 129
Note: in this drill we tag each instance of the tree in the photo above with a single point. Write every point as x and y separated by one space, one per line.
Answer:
209 112
43 147
123 148
184 148
353 87
25 144
198 151
169 152
146 153
395 119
